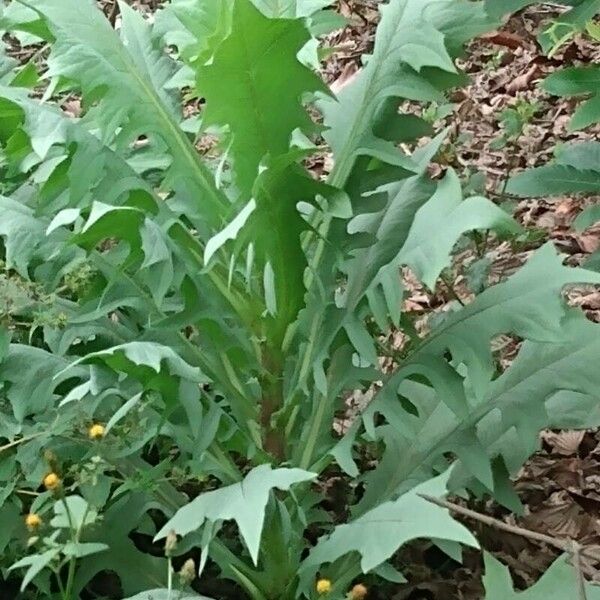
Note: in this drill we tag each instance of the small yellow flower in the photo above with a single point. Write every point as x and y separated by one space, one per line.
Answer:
33 521
96 431
358 592
323 587
52 481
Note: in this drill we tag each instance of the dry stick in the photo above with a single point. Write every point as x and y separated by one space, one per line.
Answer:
571 547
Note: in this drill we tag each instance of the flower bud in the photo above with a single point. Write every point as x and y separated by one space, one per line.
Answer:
358 592
96 431
170 543
52 481
188 572
33 521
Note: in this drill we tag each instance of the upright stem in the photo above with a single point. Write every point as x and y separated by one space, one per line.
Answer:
70 578
272 399
61 588
316 424
74 538
169 577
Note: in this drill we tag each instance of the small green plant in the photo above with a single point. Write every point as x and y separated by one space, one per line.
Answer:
495 60
578 18
514 121
576 166
218 314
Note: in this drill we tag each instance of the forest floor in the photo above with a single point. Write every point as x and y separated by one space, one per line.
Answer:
560 486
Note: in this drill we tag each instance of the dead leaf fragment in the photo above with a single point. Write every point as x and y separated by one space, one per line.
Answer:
564 442
522 81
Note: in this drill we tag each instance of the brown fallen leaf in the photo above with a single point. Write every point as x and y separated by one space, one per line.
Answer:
505 38
588 242
72 108
560 516
564 442
522 81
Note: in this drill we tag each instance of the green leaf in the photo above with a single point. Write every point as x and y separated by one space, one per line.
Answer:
559 581
243 88
553 180
229 232
583 155
136 570
587 217
73 512
529 305
105 221
18 16
126 77
575 171
450 216
81 549
165 594
36 563
406 41
499 9
195 27
290 9
122 412
35 393
24 235
244 502
93 167
143 354
568 24
379 533
577 81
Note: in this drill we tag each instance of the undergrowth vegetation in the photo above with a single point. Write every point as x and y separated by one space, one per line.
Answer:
181 334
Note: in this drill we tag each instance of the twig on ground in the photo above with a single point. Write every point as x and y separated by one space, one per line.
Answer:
565 545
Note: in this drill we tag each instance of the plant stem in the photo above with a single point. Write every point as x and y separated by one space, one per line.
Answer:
75 535
22 440
74 539
315 429
450 287
70 578
61 588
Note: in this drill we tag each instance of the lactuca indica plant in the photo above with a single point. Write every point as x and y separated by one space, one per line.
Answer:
225 307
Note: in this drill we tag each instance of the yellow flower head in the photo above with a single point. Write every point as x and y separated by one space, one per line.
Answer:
96 431
358 592
33 521
323 587
52 481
